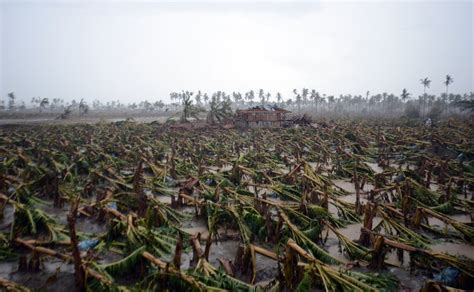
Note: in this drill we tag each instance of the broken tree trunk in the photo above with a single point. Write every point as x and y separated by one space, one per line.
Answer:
80 276
178 251
227 265
138 181
196 245
378 254
369 213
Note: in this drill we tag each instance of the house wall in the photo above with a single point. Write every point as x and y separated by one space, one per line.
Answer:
260 119
264 124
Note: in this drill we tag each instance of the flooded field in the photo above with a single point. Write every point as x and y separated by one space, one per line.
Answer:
90 119
134 205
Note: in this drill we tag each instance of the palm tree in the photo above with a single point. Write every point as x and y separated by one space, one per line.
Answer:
267 97
405 94
43 103
236 96
251 96
187 105
279 97
197 97
298 99
448 81
189 110
219 110
426 84
159 104
261 96
304 95
83 107
147 106
11 102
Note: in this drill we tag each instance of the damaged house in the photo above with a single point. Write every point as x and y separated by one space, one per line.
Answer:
260 117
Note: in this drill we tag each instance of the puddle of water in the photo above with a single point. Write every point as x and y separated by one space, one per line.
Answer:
58 214
352 231
110 257
454 248
186 259
332 247
392 258
267 269
375 167
350 187
352 198
225 249
61 275
5 223
345 185
88 225
463 218
196 225
408 281
435 222
333 210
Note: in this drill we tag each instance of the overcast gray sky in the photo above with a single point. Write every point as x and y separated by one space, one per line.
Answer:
144 50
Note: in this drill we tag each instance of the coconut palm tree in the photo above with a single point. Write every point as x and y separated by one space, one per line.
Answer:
304 95
197 97
189 110
147 106
83 107
237 97
261 96
426 84
279 97
405 94
250 96
298 99
267 97
448 81
159 104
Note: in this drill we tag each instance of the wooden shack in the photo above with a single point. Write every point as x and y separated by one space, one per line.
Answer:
260 117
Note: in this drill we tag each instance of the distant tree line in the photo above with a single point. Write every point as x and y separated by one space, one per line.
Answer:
219 104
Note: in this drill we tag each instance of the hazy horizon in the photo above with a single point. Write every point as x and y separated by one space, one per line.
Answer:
133 51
